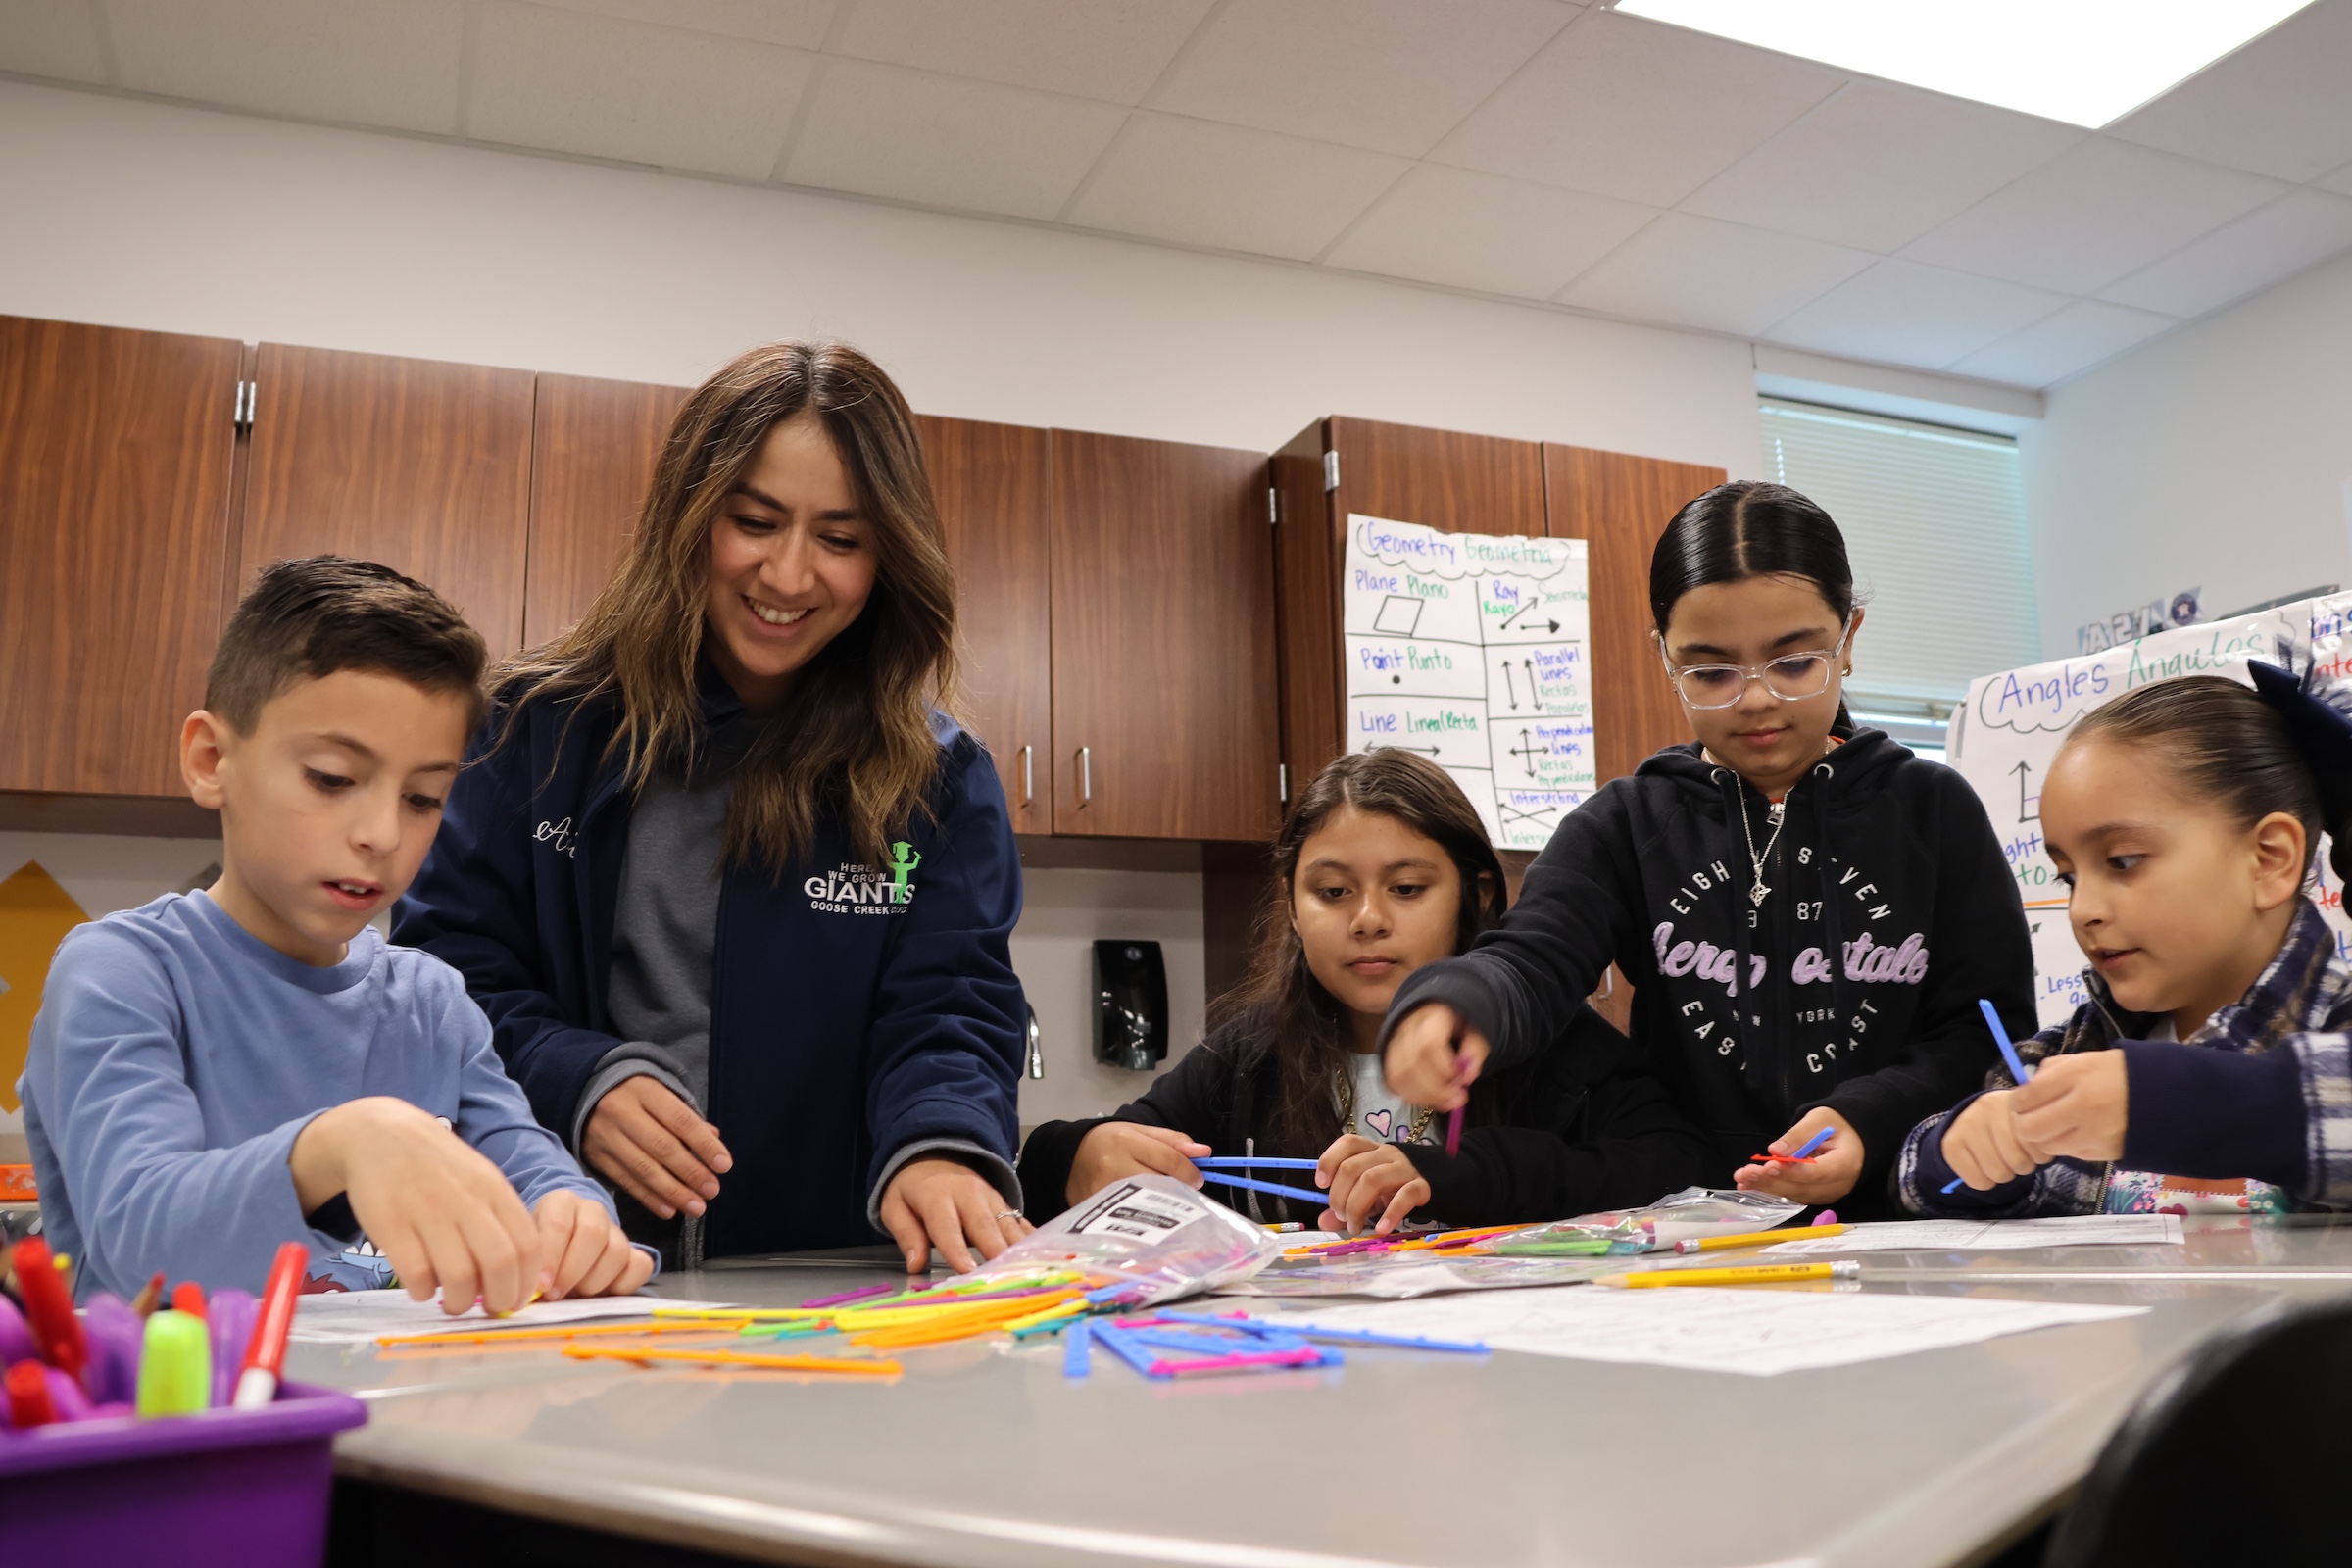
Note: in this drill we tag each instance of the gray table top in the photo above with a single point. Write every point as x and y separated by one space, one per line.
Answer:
984 1455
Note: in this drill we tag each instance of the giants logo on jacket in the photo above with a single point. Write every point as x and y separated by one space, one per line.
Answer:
856 888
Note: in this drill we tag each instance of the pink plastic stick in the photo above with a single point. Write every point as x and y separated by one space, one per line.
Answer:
858 1294
1238 1360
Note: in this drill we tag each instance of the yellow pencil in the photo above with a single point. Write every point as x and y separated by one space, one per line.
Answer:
780 1363
1709 1243
1742 1274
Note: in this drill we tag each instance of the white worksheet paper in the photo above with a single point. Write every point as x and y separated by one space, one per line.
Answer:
1755 1333
356 1317
1993 1234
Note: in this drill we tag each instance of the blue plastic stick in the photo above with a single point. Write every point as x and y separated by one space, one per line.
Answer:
1245 1162
1319 1199
1118 1344
1308 1331
2018 1072
1076 1358
1805 1151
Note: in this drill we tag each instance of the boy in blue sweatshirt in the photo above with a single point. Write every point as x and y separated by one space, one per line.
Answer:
216 1073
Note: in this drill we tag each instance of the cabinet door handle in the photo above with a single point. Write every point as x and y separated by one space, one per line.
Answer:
1028 776
1086 775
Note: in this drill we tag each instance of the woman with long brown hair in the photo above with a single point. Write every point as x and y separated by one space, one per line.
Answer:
1381 867
722 857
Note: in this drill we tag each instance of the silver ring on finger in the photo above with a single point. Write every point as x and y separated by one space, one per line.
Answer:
1010 1213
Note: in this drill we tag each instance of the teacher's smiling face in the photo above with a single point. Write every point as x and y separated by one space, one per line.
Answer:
792 564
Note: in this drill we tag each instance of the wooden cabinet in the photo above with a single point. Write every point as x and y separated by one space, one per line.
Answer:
1619 504
1163 639
1442 479
421 464
116 450
594 445
993 483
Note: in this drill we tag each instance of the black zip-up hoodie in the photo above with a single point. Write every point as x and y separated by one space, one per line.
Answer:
1852 985
1567 1132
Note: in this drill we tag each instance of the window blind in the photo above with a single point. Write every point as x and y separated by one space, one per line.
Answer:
1934 522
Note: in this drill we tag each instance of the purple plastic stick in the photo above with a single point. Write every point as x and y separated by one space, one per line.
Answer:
858 1294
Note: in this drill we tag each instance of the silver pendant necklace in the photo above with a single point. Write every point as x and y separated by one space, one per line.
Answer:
1780 818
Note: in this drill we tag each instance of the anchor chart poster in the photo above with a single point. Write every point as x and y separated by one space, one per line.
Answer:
2004 738
1474 650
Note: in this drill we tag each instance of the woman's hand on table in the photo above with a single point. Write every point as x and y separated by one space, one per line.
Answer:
1121 1149
654 1147
947 1205
1365 1176
1837 1165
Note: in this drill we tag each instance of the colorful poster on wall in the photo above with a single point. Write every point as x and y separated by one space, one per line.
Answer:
2003 737
36 913
1474 650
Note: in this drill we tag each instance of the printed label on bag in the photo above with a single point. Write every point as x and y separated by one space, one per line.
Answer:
1128 1209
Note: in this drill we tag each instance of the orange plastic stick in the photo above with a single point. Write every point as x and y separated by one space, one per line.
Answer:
783 1363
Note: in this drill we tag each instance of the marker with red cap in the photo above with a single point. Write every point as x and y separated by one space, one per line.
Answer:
28 1401
49 1307
257 1384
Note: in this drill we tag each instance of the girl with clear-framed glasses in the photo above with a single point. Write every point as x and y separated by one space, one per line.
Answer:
1808 912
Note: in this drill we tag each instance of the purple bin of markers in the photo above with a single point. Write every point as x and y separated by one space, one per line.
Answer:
220 1489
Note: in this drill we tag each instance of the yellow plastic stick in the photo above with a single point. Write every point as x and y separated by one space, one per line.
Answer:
566 1332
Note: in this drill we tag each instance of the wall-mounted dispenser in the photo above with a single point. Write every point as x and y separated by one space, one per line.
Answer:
1130 1005
1037 1046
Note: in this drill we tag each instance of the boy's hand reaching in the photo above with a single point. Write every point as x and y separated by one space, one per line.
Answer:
445 1216
1364 1176
1119 1149
585 1252
1837 1164
1983 1145
1434 1058
2074 1106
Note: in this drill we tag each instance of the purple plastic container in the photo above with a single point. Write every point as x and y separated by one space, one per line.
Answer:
220 1489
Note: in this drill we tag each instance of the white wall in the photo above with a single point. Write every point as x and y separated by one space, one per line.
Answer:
2217 457
148 215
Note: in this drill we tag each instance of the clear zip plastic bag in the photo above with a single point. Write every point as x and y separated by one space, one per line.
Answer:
1694 1212
1151 1233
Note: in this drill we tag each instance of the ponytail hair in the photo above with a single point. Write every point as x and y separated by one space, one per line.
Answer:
2224 743
1749 528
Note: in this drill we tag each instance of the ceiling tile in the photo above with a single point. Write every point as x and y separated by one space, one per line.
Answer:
794 23
1199 183
1389 74
618 90
2281 106
1109 49
1878 167
393 66
2299 230
2084 219
1482 231
2075 338
53 38
1628 108
1905 313
969 146
1698 271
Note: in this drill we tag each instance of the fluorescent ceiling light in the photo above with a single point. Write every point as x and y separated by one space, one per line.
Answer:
2084 62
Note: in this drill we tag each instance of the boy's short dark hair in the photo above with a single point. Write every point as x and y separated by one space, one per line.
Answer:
307 619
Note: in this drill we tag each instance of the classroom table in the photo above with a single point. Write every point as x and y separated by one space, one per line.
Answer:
983 1456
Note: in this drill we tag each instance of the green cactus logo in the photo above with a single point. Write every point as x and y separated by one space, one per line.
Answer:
903 860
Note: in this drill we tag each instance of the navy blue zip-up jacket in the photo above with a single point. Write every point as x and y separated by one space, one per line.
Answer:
856 1011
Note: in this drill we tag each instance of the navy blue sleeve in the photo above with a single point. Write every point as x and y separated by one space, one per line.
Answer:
946 1039
472 907
2196 1111
1927 1173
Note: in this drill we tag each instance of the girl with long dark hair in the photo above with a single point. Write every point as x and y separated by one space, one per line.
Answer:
722 856
1381 867
1808 912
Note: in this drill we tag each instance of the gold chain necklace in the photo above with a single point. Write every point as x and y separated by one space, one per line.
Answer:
1346 1093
